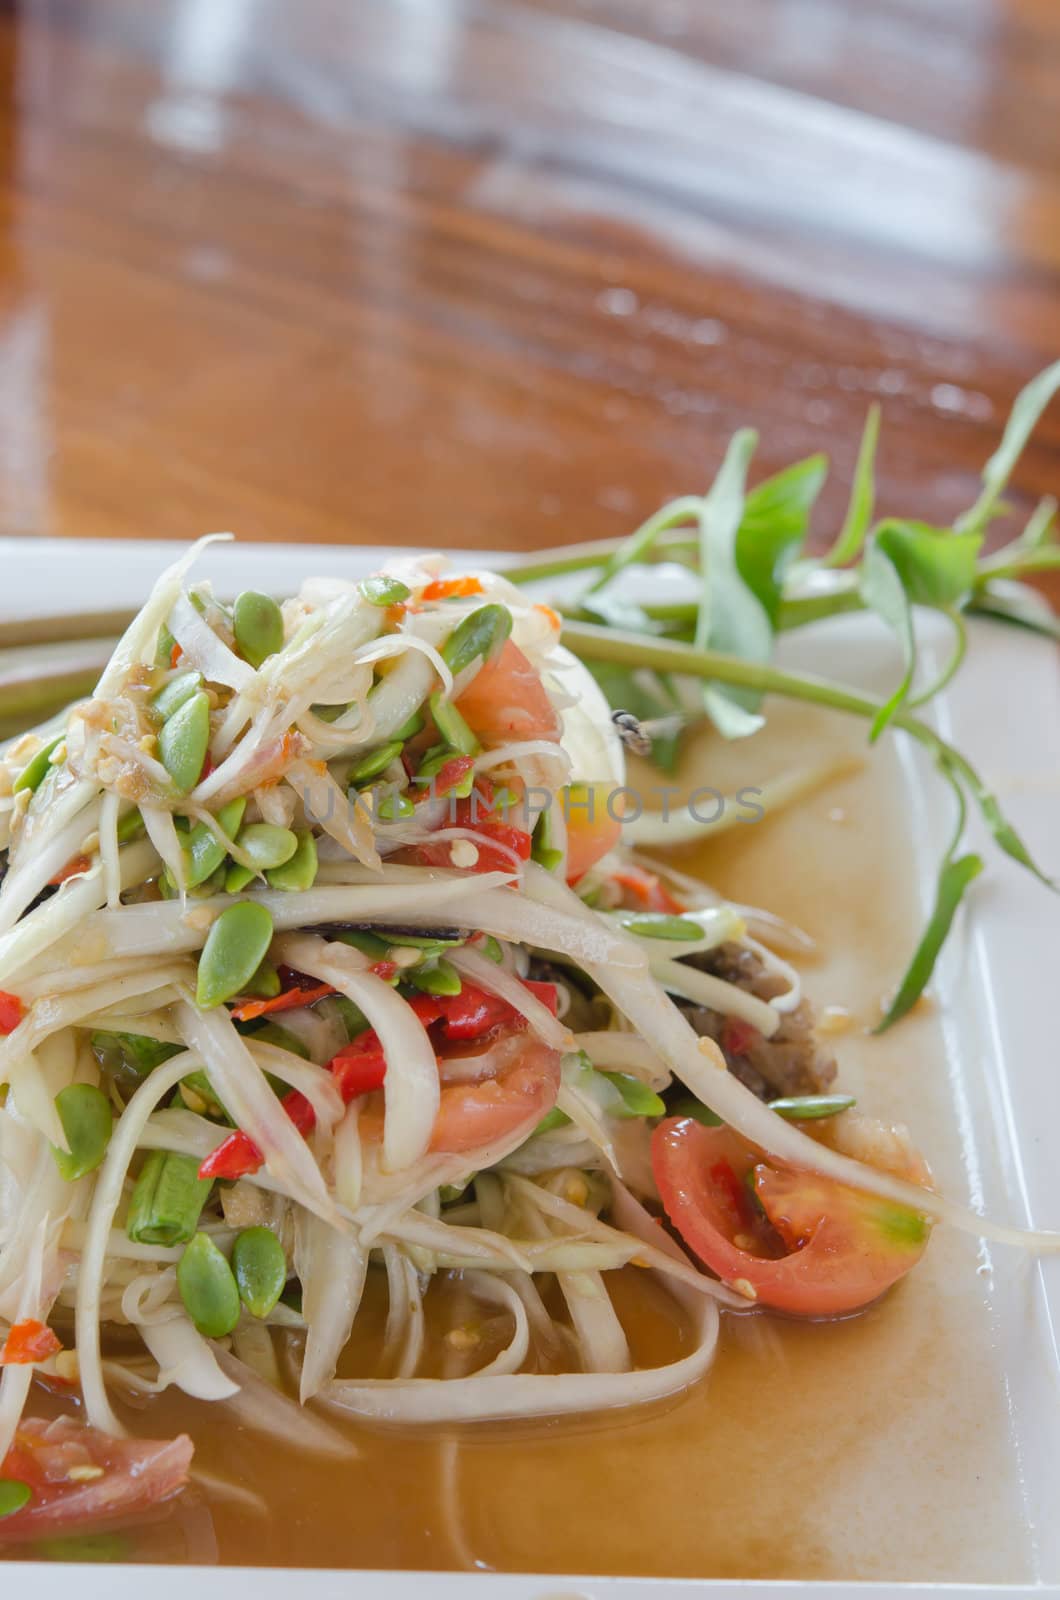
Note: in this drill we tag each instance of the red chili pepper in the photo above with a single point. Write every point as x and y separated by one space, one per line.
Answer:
358 1071
174 656
361 1067
383 969
447 777
475 813
11 1012
250 1010
28 1342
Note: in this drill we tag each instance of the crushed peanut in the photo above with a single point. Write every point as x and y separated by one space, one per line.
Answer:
462 853
745 1287
465 1338
84 1474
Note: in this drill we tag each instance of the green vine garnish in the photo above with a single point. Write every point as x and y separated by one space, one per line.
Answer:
744 550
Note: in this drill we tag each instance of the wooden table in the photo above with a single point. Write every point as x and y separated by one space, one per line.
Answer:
509 272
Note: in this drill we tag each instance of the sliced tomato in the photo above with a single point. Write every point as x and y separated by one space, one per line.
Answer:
507 700
802 1243
591 829
477 1114
452 588
80 1478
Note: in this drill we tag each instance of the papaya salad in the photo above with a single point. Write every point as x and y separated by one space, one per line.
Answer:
322 960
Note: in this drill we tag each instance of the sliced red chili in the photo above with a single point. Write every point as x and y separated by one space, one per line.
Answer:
11 1012
289 1000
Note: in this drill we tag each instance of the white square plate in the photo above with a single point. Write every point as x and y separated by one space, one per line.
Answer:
996 988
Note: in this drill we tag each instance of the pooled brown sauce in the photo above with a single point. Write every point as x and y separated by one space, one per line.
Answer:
874 1448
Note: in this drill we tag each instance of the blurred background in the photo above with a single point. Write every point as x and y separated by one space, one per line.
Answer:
508 273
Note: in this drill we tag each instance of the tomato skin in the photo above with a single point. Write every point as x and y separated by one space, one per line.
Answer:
591 829
129 1476
507 700
821 1249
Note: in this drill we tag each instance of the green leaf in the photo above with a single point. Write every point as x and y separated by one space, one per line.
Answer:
862 497
954 879
731 618
1027 409
937 567
639 544
1018 605
773 528
883 592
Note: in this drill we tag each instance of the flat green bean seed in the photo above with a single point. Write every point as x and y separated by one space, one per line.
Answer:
353 1018
267 844
32 776
811 1107
183 742
13 1496
383 591
395 807
274 1033
480 634
432 762
376 761
167 1199
265 984
440 977
637 1099
176 693
369 944
425 941
258 626
85 1114
551 1120
207 1288
452 727
260 1267
697 1111
237 878
491 947
203 851
411 728
300 872
659 925
235 947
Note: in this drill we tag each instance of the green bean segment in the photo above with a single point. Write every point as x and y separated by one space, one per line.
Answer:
85 1114
208 1288
176 693
811 1107
377 761
300 872
637 1099
439 977
260 1268
265 984
33 775
267 844
235 947
237 877
183 742
203 851
479 634
411 728
14 1494
381 590
167 1199
258 625
660 925
452 727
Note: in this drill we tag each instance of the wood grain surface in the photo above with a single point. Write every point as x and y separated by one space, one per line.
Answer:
509 272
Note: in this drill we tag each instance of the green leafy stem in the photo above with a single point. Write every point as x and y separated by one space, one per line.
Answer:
744 550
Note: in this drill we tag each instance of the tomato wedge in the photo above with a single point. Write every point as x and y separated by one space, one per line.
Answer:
788 1239
80 1478
507 700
